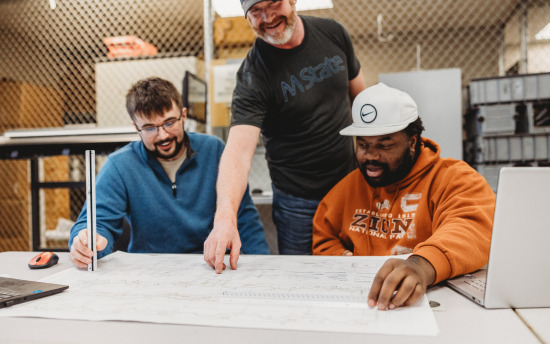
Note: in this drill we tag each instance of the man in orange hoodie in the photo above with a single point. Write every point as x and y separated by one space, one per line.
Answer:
404 199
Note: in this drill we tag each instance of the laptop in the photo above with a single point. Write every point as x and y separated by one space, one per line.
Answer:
518 271
14 291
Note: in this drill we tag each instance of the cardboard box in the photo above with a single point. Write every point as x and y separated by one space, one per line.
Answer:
56 201
14 225
56 204
220 115
233 30
15 208
26 105
15 180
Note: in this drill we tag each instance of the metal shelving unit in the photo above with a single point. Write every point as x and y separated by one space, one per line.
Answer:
508 123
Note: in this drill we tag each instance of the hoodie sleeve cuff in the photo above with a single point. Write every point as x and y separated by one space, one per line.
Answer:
438 260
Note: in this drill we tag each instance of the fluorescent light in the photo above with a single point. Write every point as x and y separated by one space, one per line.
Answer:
232 8
544 33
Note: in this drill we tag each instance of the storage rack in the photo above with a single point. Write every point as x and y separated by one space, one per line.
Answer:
507 123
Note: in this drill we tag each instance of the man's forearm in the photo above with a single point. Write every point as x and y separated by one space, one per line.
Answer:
231 184
234 168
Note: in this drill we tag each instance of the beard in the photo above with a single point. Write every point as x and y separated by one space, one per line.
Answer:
159 154
404 166
280 39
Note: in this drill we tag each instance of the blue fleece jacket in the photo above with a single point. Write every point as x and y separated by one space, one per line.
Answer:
166 217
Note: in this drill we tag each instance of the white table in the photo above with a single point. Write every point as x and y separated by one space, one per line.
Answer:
538 319
459 320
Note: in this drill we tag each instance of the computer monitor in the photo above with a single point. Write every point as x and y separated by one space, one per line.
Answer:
193 97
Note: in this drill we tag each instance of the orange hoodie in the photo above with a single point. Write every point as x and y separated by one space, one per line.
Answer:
442 211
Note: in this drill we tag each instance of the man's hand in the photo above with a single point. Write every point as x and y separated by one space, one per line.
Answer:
232 181
407 278
224 236
81 255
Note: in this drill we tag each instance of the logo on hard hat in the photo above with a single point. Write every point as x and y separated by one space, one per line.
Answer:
368 113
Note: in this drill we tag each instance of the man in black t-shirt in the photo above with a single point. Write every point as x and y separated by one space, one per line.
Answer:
295 87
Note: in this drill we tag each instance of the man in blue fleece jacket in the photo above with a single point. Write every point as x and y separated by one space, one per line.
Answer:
164 185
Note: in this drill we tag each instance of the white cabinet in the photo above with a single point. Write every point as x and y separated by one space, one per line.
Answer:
439 98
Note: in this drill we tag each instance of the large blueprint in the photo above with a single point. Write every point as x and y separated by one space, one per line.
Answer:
272 292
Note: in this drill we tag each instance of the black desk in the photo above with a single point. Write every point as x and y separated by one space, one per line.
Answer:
33 144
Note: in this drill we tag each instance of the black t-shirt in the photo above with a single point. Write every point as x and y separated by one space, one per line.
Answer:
300 99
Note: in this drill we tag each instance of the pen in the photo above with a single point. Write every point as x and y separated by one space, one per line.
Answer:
91 207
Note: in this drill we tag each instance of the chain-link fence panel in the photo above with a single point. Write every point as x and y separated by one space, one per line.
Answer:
50 58
481 37
72 65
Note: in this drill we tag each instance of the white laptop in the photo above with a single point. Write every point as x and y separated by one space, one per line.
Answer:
518 272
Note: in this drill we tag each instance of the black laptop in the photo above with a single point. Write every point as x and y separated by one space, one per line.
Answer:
14 291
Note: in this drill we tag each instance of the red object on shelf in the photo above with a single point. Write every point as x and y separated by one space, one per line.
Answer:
129 46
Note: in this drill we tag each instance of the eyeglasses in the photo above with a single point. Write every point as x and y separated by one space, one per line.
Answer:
153 130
